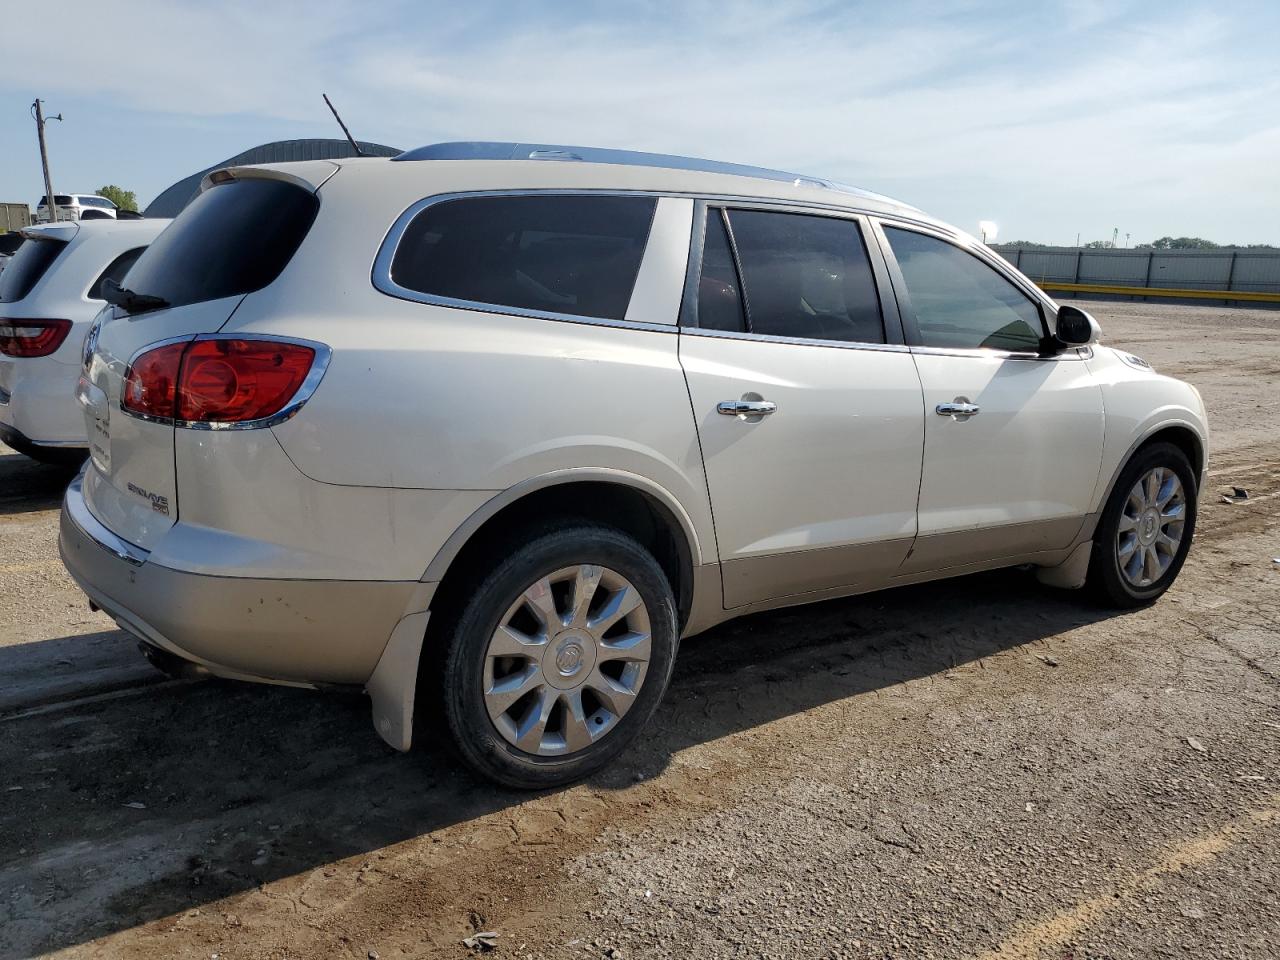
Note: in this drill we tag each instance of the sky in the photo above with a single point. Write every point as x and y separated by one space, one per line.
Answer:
1050 118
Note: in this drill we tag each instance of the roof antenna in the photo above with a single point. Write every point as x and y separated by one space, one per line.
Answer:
350 139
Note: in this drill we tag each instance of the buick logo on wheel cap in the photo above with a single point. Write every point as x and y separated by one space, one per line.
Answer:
569 657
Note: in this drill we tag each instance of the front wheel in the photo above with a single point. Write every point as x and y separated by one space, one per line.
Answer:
1146 527
559 658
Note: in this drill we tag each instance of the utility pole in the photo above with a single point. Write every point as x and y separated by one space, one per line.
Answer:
49 201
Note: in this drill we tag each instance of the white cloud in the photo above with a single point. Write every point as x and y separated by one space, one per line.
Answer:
1112 112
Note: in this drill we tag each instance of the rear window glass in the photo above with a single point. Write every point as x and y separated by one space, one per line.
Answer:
232 239
61 199
10 242
116 270
576 255
29 264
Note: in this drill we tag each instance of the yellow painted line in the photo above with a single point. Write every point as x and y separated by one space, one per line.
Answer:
1040 937
1253 295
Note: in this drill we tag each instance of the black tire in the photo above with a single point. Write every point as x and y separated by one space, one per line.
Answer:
1105 580
459 661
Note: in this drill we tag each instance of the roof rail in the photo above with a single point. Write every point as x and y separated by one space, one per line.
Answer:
496 150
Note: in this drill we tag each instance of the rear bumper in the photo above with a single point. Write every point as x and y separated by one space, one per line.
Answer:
45 452
310 632
38 402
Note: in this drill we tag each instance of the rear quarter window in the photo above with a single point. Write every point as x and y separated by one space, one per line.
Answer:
234 238
555 254
29 264
115 270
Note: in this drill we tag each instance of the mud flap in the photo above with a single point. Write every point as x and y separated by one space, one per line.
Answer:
394 681
1071 573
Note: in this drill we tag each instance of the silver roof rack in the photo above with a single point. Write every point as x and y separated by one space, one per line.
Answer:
495 150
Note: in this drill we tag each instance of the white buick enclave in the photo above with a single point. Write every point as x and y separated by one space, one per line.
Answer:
486 428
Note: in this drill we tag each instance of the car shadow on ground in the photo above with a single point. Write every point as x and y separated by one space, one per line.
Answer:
26 485
209 789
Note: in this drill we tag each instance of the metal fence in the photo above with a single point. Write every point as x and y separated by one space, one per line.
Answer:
1249 271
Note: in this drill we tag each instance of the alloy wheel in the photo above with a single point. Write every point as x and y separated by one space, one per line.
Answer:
1151 527
567 660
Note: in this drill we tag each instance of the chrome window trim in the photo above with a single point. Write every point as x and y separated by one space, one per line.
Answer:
383 282
794 341
977 249
889 317
380 275
323 354
78 513
1002 267
993 353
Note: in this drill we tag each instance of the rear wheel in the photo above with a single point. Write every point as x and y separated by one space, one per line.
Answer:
559 658
1146 527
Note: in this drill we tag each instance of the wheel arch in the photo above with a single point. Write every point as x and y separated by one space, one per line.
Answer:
1181 433
627 501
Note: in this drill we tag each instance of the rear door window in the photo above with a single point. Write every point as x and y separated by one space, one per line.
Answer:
719 288
29 264
116 270
232 239
961 302
802 275
554 254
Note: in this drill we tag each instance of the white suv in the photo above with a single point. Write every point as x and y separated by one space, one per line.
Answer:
75 206
489 427
49 293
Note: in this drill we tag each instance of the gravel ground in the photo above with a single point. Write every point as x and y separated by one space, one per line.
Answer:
974 768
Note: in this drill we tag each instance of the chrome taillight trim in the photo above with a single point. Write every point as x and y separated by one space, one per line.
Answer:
319 364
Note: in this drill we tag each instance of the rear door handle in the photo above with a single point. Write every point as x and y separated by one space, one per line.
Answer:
746 408
960 408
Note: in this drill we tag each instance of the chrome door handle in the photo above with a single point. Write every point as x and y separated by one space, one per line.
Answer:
746 408
958 409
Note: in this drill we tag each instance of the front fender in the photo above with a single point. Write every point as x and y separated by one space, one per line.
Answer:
1138 404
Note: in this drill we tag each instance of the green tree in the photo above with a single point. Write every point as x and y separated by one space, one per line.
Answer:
1183 243
1099 245
122 198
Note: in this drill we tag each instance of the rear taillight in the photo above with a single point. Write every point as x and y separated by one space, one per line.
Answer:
219 380
233 381
32 338
151 382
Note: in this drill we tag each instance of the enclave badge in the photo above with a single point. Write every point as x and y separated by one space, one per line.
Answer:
159 503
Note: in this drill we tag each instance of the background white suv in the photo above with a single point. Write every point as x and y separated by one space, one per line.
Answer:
49 293
74 206
486 428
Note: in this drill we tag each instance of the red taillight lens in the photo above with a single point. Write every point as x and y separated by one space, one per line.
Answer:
216 380
230 381
151 382
32 338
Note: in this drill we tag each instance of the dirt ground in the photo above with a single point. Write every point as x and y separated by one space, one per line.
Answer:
975 768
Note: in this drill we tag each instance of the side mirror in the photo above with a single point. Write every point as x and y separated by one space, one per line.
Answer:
1076 328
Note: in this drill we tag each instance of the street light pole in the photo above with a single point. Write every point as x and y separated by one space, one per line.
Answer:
44 162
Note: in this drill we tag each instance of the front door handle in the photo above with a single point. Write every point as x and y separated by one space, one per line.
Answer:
746 408
960 408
